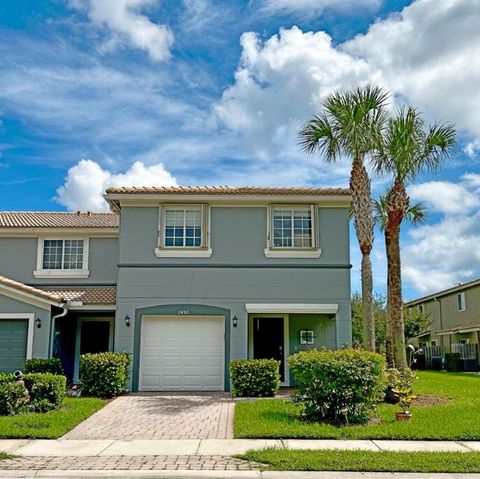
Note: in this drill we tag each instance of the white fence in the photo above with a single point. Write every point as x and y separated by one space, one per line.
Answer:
466 351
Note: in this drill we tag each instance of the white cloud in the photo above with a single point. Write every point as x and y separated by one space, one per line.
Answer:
445 197
315 7
280 82
125 21
472 148
441 255
87 181
428 54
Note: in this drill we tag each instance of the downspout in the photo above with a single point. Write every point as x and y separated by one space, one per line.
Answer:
52 327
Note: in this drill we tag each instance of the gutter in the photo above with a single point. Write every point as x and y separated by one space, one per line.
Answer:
52 327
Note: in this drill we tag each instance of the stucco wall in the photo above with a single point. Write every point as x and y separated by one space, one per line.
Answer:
18 261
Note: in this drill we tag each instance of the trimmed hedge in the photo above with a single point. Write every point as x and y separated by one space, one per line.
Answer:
254 377
104 374
453 362
46 366
47 391
11 396
338 386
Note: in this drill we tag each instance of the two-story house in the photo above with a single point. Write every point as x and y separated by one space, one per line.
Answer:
182 278
455 320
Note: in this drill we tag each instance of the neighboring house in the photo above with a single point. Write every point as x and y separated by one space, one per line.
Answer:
455 319
183 278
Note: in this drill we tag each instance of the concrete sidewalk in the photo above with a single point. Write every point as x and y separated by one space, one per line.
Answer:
214 447
227 475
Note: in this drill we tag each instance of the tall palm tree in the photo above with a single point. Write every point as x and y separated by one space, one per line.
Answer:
408 147
415 215
351 124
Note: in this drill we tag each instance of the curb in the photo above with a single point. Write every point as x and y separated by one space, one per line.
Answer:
191 474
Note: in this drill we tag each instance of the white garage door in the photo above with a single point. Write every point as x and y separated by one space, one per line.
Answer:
179 353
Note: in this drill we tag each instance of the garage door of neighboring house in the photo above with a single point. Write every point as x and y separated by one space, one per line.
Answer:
13 344
179 353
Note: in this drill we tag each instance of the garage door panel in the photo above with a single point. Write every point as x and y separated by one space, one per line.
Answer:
184 354
13 344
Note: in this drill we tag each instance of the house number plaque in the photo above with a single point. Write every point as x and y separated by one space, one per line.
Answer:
183 312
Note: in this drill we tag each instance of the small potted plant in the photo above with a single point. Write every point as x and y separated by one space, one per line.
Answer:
405 397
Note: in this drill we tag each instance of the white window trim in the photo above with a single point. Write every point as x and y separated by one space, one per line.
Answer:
464 304
292 252
202 251
62 273
31 319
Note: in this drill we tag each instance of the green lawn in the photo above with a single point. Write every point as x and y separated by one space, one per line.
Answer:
281 460
50 425
457 418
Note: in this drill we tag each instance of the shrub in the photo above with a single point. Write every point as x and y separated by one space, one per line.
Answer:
254 377
398 380
453 362
12 400
104 374
47 391
339 385
48 366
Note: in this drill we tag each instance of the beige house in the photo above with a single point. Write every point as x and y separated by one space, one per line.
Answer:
455 319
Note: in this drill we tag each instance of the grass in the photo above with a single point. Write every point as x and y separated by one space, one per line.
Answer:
455 419
4 456
52 424
281 460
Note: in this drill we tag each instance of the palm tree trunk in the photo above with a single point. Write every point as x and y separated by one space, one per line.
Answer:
395 333
363 212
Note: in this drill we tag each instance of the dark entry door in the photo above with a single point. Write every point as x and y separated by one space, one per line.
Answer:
95 337
268 341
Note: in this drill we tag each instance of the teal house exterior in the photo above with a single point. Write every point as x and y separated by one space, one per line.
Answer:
184 279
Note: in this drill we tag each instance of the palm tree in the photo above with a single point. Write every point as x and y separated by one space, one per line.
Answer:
415 215
351 125
408 148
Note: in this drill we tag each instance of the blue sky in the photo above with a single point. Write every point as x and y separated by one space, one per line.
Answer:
105 92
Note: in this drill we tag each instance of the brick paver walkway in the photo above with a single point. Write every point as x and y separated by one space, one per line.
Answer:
35 463
161 416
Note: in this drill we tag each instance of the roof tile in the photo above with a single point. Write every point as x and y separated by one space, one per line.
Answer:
88 295
47 295
47 219
226 190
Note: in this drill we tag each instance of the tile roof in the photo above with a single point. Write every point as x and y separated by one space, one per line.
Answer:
46 295
50 219
226 190
88 295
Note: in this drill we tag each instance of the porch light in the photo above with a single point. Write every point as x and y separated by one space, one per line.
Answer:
127 321
235 321
38 322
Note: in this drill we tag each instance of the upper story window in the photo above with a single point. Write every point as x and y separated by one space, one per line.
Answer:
183 231
62 258
461 306
183 227
292 232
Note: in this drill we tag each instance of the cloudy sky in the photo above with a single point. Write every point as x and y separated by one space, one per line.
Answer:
96 93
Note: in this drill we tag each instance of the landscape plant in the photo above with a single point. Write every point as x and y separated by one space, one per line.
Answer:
407 148
254 377
351 125
339 386
452 362
43 365
47 391
104 374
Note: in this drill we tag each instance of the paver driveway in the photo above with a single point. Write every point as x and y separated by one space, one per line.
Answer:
161 416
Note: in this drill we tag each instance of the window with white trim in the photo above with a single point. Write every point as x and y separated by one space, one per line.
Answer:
183 227
292 227
62 257
461 302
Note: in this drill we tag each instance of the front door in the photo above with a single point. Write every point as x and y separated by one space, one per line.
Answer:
268 341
